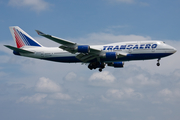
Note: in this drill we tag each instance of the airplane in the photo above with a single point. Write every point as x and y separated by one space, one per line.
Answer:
96 56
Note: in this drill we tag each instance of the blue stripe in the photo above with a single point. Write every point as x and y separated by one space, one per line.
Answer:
146 56
23 38
72 59
27 40
63 59
31 42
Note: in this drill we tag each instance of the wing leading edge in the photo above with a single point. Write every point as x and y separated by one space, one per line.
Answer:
56 39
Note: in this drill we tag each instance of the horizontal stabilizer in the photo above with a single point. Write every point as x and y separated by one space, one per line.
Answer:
17 49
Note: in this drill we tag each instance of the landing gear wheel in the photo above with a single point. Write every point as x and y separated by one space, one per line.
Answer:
100 70
158 64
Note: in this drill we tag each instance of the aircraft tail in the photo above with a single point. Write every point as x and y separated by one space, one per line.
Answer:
22 39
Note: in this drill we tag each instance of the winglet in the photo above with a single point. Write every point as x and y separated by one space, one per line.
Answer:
39 32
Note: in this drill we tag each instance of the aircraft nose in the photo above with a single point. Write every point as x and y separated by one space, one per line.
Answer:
174 50
171 49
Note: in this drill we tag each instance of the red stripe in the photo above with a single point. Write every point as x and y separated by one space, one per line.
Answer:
19 42
17 39
22 42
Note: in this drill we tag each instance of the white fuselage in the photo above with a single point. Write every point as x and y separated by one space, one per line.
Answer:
98 56
135 50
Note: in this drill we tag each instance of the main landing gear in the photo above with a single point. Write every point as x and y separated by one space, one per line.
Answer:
95 65
158 64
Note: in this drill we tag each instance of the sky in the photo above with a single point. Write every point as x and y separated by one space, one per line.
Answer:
44 90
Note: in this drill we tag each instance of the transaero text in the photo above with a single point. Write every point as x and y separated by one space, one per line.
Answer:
120 47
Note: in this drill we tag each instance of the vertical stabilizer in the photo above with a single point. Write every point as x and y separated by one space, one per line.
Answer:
21 38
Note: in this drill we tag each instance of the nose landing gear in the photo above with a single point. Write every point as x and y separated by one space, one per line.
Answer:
158 64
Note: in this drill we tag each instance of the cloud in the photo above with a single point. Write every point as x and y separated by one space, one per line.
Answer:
141 79
46 85
33 99
121 94
165 92
177 73
106 38
51 91
70 76
61 96
104 76
169 95
35 5
4 58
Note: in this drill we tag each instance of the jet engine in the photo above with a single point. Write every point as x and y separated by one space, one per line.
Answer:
109 55
116 64
83 48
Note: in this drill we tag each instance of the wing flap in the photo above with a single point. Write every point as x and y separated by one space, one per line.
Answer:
86 57
121 54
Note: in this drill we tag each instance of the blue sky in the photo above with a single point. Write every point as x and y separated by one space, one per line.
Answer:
43 90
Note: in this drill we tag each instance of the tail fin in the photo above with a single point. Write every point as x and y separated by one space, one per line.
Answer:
21 38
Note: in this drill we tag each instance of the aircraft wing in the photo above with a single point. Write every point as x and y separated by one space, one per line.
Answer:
17 49
71 47
56 39
66 45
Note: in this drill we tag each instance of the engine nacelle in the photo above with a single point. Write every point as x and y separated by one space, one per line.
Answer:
116 64
15 52
83 48
111 55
